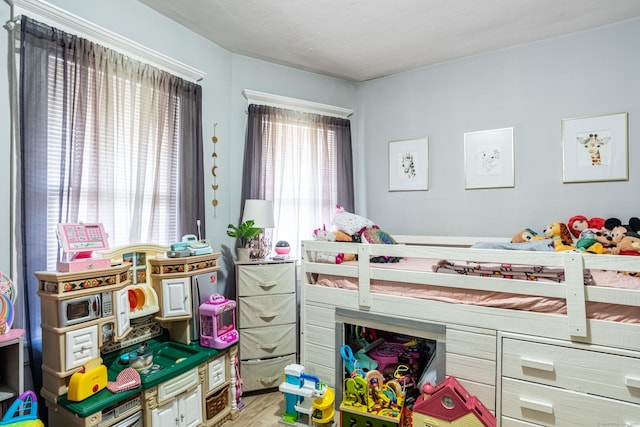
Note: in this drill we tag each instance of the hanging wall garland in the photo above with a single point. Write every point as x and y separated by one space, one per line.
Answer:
214 170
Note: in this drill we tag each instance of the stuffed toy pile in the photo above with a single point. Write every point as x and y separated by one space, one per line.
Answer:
589 235
350 227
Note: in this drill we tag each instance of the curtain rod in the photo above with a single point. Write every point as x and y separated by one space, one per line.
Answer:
261 98
65 21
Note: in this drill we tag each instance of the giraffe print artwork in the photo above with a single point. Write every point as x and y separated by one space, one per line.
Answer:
594 145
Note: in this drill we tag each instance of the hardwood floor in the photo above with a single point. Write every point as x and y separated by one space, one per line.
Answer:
262 410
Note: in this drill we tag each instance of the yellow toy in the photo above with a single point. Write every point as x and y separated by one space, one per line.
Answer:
559 232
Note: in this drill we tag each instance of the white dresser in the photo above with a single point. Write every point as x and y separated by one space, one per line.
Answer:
555 383
267 321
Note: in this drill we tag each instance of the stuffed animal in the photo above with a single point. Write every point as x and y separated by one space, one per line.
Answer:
349 222
559 232
627 244
323 235
579 223
526 235
590 234
341 236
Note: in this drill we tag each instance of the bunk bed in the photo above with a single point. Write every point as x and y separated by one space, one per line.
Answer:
536 349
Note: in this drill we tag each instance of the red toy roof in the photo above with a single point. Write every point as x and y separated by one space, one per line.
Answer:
449 401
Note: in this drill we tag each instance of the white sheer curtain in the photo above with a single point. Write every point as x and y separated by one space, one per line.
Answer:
302 162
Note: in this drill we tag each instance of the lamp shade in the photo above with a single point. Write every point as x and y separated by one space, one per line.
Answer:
260 211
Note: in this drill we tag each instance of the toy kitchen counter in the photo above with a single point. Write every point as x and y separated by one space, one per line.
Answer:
176 369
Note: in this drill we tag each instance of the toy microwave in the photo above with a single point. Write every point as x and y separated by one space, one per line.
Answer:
218 322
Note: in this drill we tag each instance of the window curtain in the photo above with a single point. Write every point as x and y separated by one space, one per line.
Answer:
303 163
102 138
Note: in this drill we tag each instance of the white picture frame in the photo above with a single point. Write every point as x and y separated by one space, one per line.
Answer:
489 159
409 165
595 148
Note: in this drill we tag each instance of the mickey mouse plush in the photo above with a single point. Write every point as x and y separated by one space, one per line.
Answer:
615 228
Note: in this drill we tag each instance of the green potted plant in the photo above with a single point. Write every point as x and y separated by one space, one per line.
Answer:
244 233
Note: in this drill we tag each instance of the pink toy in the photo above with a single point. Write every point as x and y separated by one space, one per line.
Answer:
218 322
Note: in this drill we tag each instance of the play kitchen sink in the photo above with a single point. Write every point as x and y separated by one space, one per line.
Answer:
157 361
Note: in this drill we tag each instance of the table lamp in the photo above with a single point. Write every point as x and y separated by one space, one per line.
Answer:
261 212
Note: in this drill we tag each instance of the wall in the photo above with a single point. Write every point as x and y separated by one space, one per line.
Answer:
530 88
226 76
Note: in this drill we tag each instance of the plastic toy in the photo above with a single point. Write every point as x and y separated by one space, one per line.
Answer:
306 395
23 412
449 404
218 322
374 396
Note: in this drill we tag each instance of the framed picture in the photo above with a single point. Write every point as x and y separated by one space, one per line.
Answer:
488 159
409 165
595 148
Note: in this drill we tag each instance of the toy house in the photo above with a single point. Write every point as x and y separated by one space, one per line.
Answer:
449 404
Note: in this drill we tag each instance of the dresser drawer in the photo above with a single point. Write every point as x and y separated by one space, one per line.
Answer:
593 372
266 279
266 310
264 373
268 341
551 406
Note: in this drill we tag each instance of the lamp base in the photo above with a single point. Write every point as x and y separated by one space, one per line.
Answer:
260 246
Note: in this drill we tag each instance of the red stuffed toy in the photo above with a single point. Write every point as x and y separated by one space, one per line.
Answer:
577 224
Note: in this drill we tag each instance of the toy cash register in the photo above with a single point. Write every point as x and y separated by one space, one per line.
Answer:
78 241
218 322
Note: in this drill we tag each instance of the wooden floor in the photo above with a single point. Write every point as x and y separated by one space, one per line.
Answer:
261 410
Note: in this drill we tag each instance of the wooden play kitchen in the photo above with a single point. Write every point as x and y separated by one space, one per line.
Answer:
95 320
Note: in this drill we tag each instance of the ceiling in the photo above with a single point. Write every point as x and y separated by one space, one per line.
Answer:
359 40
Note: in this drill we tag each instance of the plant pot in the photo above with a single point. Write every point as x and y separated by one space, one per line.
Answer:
242 254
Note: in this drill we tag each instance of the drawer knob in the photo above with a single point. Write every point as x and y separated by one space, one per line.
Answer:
632 381
541 365
537 406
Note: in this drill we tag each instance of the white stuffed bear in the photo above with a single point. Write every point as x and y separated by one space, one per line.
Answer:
323 235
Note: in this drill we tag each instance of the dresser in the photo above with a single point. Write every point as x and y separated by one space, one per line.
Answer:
555 383
267 321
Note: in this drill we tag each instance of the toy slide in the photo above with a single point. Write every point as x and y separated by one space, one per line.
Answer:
323 407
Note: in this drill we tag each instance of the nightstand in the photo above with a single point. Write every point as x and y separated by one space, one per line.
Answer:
267 321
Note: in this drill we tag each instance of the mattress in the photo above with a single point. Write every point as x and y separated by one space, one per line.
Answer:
595 310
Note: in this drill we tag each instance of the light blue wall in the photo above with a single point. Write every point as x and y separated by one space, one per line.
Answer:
530 88
226 76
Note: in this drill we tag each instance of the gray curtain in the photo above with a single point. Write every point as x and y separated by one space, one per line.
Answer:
253 177
56 67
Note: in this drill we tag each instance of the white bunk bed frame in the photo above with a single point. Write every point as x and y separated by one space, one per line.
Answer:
321 307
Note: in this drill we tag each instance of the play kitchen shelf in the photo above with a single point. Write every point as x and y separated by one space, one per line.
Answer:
107 313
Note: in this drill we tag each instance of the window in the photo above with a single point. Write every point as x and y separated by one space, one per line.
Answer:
302 162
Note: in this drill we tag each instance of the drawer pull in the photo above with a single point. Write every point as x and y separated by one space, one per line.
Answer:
267 315
632 381
267 346
540 365
267 285
537 406
270 380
